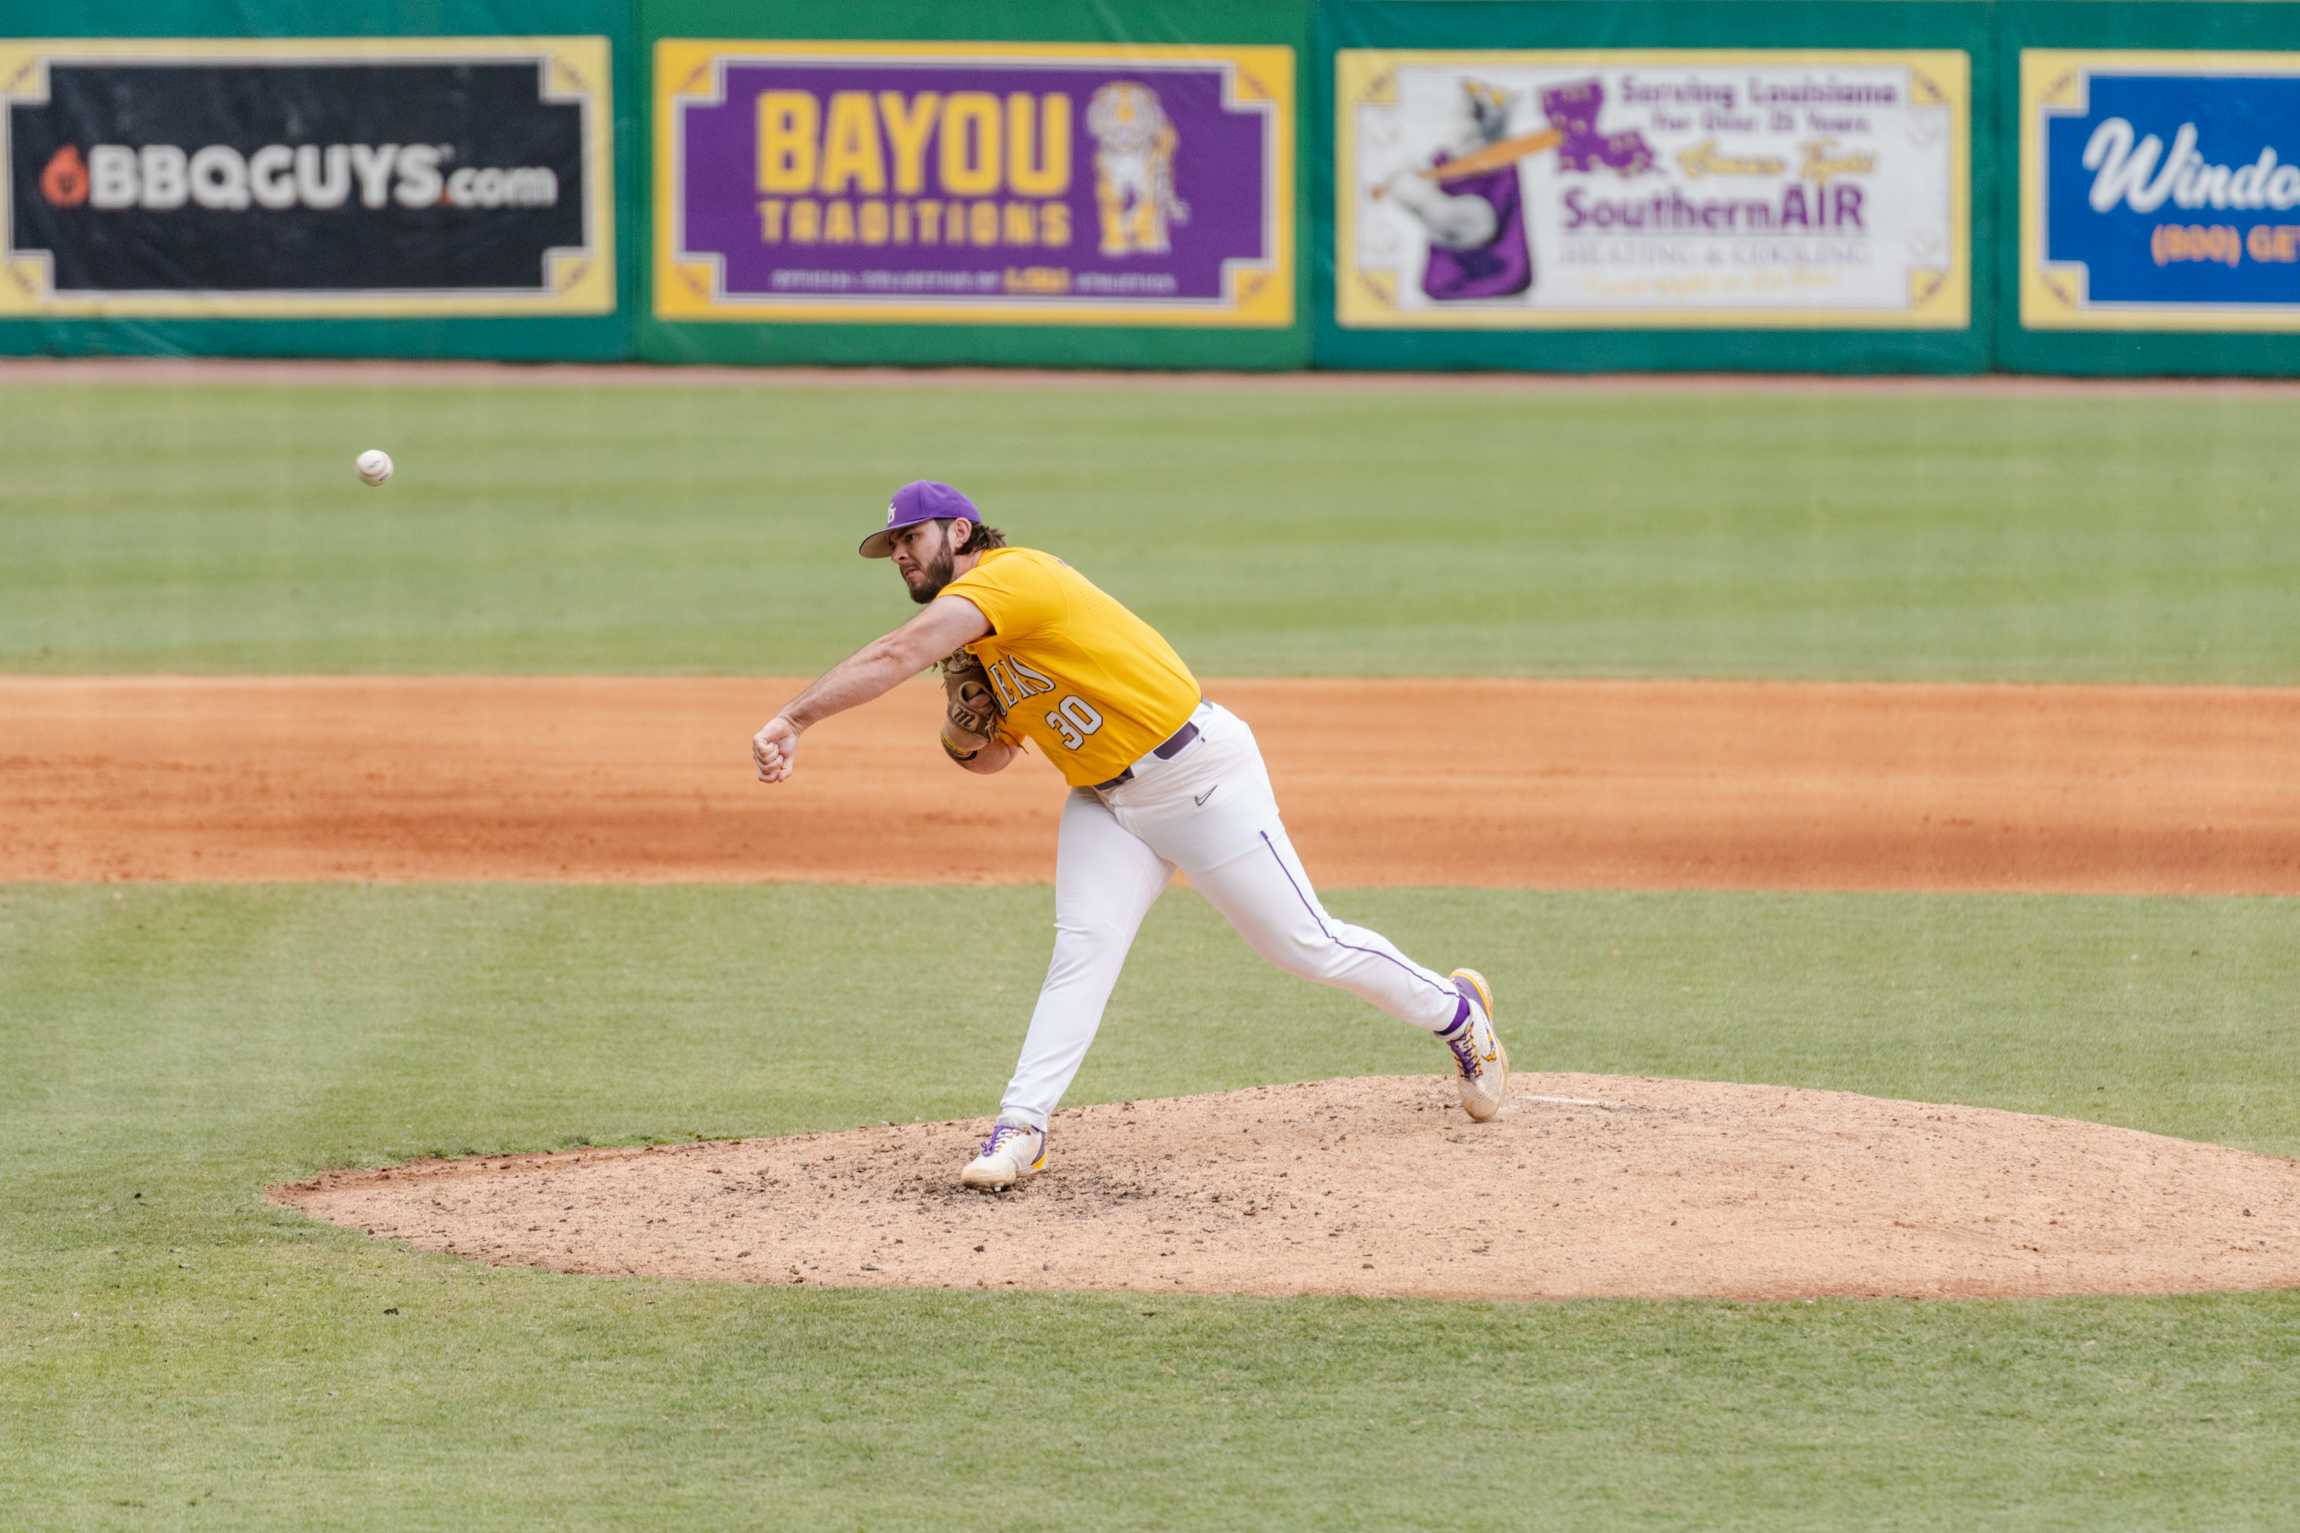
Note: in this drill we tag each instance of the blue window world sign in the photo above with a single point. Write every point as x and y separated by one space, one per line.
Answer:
2160 190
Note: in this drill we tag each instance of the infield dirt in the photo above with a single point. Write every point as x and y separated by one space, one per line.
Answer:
1495 783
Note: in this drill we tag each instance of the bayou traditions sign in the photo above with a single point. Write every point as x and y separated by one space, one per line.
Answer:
1006 183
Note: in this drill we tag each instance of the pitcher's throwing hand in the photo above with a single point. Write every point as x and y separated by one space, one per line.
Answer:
775 749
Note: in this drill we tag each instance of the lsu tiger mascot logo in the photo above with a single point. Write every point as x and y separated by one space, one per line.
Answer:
1474 225
1134 169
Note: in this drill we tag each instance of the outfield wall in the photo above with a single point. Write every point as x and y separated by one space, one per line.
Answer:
1940 186
1661 95
949 163
2081 291
236 256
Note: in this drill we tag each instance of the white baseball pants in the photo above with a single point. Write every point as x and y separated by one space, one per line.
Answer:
1210 812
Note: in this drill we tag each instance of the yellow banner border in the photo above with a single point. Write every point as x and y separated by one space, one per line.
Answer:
1366 300
1257 294
581 280
2054 297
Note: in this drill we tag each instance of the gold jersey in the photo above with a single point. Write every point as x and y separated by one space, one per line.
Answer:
1092 684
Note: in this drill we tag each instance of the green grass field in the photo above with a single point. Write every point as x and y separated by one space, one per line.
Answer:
180 1350
174 1352
1271 531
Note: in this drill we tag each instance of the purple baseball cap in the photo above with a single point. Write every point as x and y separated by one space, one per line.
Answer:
922 500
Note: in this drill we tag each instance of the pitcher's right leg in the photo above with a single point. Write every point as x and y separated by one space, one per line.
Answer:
1105 880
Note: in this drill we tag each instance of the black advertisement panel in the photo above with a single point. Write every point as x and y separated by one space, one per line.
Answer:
384 176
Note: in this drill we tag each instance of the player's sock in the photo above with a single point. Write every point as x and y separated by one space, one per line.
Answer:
1460 1016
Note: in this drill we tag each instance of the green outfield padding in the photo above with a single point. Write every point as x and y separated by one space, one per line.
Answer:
1113 29
2155 34
1844 27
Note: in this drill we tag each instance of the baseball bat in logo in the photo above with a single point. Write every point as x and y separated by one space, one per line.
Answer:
382 176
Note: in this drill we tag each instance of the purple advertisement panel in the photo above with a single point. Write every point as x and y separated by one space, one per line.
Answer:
963 182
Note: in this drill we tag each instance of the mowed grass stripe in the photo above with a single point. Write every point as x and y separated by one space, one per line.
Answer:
173 1349
426 1395
1382 531
536 1017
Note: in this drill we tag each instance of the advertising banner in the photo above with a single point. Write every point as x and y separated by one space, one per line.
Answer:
1661 188
2160 191
949 182
344 177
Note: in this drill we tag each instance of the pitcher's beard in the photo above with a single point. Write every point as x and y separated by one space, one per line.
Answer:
938 572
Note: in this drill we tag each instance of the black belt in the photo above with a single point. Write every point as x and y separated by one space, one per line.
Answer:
1166 752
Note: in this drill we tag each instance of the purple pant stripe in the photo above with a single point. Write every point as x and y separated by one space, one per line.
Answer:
1338 942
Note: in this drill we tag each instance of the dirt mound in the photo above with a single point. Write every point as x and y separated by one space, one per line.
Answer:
1589 1186
1630 785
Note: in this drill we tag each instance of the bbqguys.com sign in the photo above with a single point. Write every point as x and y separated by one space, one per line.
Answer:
371 176
974 182
2160 190
275 177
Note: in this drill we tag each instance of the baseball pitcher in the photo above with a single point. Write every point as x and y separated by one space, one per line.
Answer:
1033 653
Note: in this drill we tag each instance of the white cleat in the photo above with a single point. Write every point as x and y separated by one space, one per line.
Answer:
1478 1056
1013 1151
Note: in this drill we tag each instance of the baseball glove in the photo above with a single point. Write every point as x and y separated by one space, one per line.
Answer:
972 706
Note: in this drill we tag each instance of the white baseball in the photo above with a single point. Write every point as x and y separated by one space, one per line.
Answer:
375 465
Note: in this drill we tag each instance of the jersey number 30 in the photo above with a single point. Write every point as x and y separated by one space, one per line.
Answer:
1074 721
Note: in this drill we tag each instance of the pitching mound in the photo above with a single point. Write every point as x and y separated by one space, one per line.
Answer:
1588 1187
